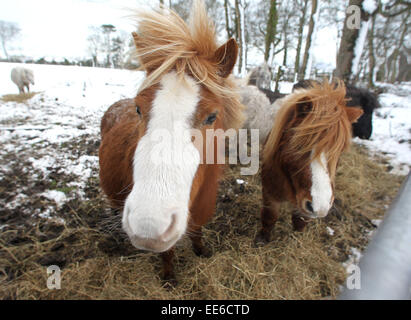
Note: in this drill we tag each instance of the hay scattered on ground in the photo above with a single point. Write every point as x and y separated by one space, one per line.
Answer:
21 98
98 262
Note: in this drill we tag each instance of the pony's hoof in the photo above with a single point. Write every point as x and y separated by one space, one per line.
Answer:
169 282
261 240
299 223
203 252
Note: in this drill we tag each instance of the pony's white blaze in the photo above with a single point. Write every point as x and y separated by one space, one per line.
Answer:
321 189
156 211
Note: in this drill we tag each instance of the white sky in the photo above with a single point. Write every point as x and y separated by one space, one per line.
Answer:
57 28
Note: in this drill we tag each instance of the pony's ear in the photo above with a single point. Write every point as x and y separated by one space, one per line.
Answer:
304 106
137 44
226 57
353 113
135 38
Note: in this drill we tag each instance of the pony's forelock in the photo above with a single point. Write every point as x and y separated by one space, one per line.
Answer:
166 42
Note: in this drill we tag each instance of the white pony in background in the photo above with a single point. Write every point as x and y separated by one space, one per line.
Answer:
22 77
261 76
259 111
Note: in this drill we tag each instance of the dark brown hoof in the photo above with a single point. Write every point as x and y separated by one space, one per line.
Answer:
299 223
261 239
202 251
169 282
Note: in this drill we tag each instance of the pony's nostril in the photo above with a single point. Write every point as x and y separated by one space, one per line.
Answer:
169 233
309 206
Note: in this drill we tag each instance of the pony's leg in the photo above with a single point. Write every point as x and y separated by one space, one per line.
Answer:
199 248
168 276
269 216
299 222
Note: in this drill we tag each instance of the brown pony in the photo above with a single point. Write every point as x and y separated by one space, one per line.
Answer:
149 165
311 129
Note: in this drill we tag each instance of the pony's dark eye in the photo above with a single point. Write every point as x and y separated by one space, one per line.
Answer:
211 118
138 111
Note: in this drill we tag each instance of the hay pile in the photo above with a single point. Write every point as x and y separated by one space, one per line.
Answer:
98 262
20 98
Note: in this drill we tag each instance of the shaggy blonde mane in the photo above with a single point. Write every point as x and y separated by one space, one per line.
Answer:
166 42
323 128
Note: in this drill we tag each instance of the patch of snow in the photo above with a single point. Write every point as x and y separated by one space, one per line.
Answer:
353 259
57 196
359 45
330 231
17 201
239 181
43 164
286 87
369 6
376 222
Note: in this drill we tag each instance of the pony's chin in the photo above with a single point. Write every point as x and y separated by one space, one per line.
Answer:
308 215
153 245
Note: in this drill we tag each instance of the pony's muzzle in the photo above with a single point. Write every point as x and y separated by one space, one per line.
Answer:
308 210
152 235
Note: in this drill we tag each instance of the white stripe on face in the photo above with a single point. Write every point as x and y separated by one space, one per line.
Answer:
321 189
157 207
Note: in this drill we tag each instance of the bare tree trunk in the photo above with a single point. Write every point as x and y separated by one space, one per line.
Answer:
227 20
384 66
239 11
314 7
300 39
271 29
280 71
346 54
396 52
5 50
371 54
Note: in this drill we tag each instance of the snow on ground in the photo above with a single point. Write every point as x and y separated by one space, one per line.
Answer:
46 138
391 134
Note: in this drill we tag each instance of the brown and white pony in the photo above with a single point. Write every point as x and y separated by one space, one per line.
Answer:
187 87
311 129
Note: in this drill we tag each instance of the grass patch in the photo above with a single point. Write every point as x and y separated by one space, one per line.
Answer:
66 190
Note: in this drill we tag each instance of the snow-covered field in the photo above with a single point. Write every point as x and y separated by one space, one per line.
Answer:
39 138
